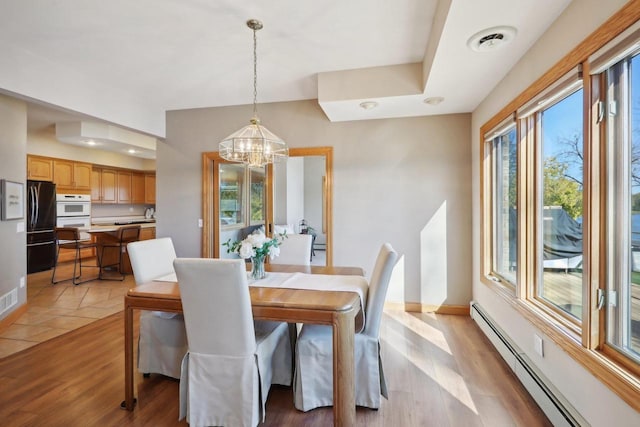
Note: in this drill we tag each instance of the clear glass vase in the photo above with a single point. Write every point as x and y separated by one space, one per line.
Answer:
257 267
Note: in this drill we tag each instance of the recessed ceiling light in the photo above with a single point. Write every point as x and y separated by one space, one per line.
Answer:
91 143
491 38
367 105
131 151
434 100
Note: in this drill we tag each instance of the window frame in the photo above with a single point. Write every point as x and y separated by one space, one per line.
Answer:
584 343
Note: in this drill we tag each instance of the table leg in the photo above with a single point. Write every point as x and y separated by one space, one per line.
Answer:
129 400
344 388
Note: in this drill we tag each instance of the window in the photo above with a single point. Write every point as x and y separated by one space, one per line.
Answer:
568 174
622 298
504 221
559 224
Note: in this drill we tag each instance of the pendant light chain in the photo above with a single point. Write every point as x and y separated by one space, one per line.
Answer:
255 74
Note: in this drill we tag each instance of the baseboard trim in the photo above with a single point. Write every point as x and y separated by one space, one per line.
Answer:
12 317
416 307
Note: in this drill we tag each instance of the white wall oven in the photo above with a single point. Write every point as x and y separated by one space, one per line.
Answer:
74 210
73 205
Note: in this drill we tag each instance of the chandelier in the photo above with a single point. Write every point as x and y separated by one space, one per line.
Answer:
254 144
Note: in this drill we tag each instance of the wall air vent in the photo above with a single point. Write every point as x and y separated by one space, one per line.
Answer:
8 300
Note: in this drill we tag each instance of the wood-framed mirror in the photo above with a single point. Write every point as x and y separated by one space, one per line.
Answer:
300 189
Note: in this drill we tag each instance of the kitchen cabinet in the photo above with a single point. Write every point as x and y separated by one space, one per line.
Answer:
150 188
108 193
124 187
39 168
147 233
137 188
96 185
71 177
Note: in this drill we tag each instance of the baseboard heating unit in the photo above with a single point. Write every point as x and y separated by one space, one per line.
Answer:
553 404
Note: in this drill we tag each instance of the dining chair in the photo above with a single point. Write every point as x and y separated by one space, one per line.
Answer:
162 341
69 238
230 364
313 378
295 249
123 236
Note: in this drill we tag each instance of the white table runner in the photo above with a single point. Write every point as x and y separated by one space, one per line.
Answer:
314 282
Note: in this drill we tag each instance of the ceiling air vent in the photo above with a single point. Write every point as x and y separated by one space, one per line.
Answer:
491 38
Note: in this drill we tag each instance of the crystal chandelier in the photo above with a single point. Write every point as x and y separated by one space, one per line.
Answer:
254 144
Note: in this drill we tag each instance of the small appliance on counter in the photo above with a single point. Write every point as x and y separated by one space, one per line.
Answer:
149 213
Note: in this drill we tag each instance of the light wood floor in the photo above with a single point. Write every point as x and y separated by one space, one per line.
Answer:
441 371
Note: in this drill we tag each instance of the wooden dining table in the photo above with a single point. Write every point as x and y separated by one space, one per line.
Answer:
339 309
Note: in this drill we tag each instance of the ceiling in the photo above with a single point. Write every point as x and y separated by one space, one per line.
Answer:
127 62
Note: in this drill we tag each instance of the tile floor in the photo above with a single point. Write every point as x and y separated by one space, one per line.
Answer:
57 309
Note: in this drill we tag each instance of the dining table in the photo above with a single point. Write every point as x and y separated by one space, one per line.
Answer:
341 309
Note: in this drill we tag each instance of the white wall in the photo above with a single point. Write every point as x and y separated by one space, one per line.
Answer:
13 166
295 191
44 143
588 395
314 170
403 181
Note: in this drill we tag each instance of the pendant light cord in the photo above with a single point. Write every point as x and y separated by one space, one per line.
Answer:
255 74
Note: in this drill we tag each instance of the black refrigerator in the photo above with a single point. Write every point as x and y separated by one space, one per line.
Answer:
41 219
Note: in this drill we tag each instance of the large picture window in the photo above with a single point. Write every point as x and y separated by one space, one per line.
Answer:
560 235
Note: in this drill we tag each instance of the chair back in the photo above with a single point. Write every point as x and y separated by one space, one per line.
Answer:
67 233
378 286
295 249
129 233
151 259
216 305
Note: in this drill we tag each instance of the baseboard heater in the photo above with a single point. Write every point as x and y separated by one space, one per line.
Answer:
553 404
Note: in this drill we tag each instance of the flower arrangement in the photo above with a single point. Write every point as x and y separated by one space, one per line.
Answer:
256 246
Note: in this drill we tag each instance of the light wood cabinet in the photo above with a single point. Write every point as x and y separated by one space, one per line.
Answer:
147 233
137 188
108 193
124 187
150 188
96 185
39 168
70 176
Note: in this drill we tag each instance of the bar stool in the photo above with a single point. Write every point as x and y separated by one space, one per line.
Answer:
69 238
127 234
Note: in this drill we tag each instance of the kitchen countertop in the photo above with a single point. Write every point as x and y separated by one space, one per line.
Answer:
97 228
122 220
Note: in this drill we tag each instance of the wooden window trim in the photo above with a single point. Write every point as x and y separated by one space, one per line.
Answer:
601 361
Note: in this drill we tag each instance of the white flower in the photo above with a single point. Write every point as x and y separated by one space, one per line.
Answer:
274 251
246 250
256 239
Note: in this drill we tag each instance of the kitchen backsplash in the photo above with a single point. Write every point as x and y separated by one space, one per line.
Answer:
98 211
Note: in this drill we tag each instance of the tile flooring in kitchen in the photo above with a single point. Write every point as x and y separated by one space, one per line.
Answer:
57 309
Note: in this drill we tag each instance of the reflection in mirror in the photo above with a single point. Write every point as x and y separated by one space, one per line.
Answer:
299 195
242 202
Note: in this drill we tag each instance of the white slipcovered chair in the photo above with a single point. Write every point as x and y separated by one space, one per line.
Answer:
295 249
232 360
313 380
163 340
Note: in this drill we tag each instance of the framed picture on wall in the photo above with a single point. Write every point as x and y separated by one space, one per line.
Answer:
12 204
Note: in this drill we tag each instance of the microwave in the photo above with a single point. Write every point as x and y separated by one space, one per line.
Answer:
73 205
